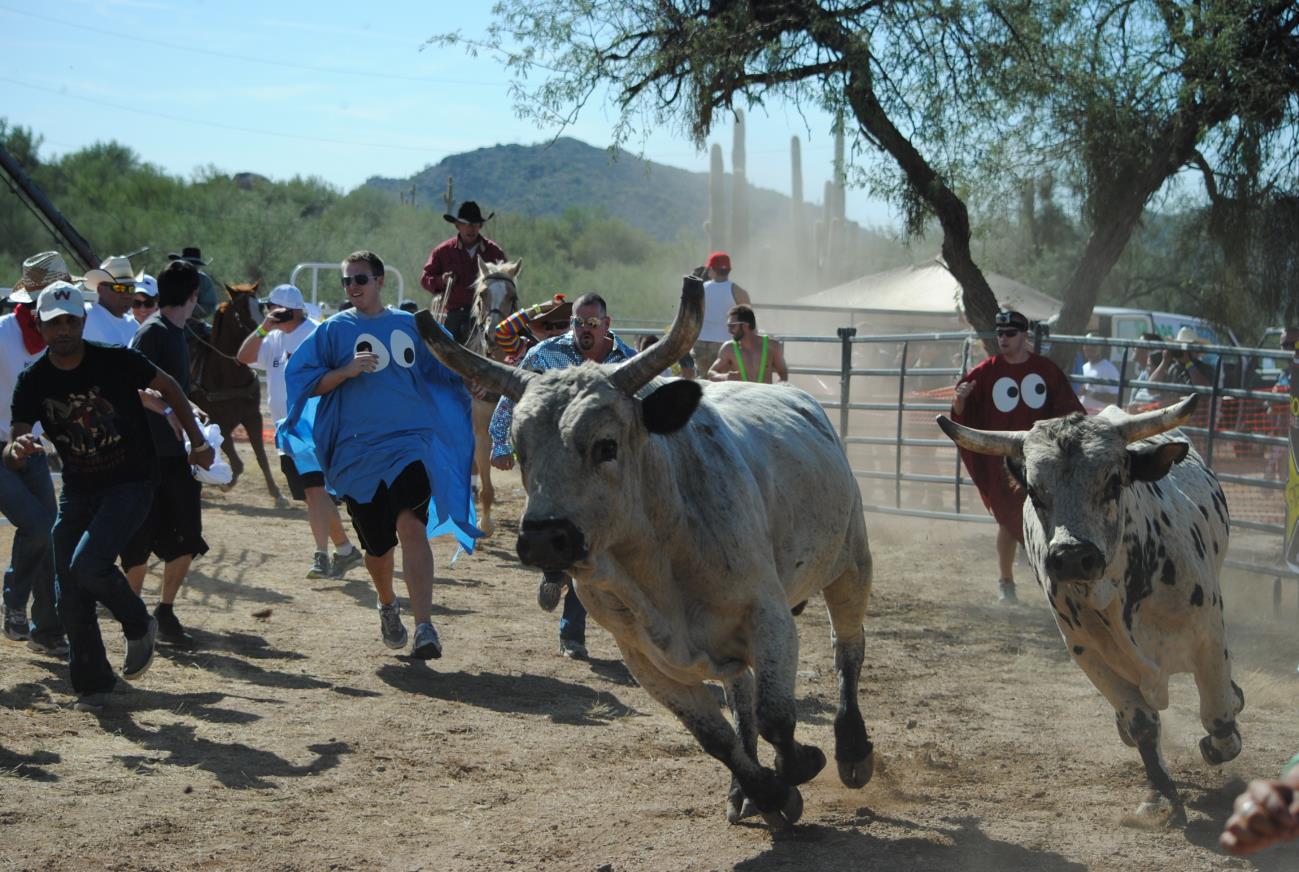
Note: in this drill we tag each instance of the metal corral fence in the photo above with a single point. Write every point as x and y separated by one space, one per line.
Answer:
883 391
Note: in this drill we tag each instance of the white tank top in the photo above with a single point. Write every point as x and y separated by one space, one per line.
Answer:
718 299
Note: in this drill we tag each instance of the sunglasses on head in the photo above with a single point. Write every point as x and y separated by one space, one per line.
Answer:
361 281
1008 332
144 304
119 288
589 323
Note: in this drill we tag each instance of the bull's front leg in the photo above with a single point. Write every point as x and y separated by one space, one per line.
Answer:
779 803
1221 699
775 667
739 695
1138 725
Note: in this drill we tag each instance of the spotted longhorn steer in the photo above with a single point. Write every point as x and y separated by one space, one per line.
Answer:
1127 533
692 519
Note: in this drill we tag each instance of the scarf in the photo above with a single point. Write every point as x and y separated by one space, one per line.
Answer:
32 340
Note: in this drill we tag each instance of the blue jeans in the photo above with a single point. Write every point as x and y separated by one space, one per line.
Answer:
572 625
89 532
27 500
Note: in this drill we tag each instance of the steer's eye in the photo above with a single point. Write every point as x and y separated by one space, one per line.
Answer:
1034 498
604 451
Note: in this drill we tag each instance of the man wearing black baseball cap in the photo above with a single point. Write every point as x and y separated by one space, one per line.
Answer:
452 267
1010 391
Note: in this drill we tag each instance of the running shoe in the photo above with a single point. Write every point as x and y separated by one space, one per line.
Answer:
390 625
427 645
344 562
320 566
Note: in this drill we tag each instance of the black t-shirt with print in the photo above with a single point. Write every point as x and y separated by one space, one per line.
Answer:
92 414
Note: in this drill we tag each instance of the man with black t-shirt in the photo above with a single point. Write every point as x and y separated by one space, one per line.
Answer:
87 397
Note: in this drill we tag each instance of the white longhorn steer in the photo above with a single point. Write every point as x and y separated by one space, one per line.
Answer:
692 519
1127 533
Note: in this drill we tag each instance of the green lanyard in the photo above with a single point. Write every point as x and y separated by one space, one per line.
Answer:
762 362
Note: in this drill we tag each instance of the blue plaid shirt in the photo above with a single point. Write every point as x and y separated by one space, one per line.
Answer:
557 352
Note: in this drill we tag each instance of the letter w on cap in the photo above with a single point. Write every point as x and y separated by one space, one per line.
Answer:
62 295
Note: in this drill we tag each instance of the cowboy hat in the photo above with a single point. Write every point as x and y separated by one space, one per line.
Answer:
469 214
556 309
115 269
1188 334
193 254
39 270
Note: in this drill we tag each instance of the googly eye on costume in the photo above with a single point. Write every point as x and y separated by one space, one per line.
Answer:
1033 389
1005 394
370 342
403 349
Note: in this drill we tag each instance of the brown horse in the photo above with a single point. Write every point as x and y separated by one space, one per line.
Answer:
227 389
496 297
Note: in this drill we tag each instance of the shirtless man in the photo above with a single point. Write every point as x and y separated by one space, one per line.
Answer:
750 355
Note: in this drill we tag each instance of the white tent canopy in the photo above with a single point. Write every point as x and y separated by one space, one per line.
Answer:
926 289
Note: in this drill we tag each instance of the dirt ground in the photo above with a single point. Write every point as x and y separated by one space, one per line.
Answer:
290 738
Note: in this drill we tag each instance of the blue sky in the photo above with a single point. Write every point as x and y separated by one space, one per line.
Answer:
339 91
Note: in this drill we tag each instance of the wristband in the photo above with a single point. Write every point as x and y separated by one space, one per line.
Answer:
262 331
1291 766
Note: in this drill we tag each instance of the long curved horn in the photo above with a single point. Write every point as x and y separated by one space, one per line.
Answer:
999 443
641 369
472 367
1156 421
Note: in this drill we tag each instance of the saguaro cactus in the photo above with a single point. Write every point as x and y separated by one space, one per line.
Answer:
798 225
739 188
449 196
716 200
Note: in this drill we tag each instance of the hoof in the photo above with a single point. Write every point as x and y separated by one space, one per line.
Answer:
788 814
856 773
1158 812
738 808
808 761
1123 732
1217 752
282 503
1240 697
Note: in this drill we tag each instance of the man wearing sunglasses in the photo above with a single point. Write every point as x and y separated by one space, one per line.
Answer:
452 267
1010 391
589 339
108 319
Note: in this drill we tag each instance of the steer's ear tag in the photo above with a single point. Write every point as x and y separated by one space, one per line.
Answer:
669 408
1152 462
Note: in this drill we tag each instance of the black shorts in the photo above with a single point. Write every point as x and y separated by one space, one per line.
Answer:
174 525
375 522
299 481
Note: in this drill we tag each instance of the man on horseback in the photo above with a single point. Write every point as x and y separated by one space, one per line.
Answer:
269 348
452 267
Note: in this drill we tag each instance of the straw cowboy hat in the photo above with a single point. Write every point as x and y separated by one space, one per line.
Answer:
39 270
469 214
115 269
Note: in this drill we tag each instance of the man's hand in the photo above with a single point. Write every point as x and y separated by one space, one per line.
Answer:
1265 814
503 462
203 455
25 446
365 361
964 389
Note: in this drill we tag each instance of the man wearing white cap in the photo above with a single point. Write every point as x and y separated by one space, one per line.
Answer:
27 494
87 397
269 348
108 320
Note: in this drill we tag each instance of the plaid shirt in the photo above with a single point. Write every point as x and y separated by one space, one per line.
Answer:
557 352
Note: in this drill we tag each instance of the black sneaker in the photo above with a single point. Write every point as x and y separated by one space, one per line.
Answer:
343 562
572 649
170 631
16 627
139 652
50 646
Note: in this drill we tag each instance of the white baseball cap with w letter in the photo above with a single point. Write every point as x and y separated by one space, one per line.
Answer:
60 298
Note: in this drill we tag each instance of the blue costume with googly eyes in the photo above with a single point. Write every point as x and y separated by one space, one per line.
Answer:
371 427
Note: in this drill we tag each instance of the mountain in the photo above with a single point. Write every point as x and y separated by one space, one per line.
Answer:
544 180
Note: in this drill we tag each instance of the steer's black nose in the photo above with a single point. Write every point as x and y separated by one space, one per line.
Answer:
550 544
1074 561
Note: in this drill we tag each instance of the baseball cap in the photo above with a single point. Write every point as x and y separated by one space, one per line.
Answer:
719 260
1011 318
60 298
146 284
287 296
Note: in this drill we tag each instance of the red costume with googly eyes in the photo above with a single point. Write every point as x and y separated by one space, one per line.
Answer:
1010 396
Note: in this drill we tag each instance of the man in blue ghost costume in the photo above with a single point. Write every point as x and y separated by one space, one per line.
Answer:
390 427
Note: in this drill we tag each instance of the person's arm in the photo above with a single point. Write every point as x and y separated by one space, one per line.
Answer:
740 295
22 445
723 368
509 332
201 453
365 361
1265 814
778 361
499 430
963 391
431 280
248 351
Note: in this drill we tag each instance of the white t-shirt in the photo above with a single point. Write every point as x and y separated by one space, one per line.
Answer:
275 352
1103 368
102 326
13 360
719 297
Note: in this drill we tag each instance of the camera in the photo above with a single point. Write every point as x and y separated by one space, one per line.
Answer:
281 316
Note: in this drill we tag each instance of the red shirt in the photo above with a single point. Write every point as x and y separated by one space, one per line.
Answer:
451 257
1010 396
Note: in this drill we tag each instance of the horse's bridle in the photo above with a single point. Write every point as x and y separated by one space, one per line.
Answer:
513 296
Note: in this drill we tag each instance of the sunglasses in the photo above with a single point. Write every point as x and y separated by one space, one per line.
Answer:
588 323
1008 332
553 325
143 304
119 288
361 281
